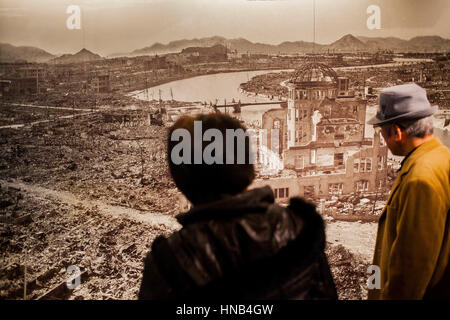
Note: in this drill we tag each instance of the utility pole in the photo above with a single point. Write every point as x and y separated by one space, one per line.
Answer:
37 80
314 28
146 88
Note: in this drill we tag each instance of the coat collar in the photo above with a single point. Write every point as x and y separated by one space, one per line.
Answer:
406 158
252 201
417 153
409 162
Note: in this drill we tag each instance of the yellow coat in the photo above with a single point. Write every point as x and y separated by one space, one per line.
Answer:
413 246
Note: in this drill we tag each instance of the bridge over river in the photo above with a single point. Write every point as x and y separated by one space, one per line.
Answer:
244 104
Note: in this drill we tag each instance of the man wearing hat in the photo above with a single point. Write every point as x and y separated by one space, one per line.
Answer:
413 246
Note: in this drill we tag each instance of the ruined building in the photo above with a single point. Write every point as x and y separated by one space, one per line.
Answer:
321 139
16 87
100 82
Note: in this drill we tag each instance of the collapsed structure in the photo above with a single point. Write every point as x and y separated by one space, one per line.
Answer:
321 139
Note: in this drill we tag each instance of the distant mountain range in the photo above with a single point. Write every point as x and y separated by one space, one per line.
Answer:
83 55
239 44
348 43
10 53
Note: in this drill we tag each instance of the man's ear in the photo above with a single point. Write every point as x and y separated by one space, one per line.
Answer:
398 133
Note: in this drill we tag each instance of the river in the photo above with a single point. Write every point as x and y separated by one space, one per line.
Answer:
220 86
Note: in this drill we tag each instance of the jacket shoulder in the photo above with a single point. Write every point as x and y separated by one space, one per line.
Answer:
431 165
163 277
263 254
314 225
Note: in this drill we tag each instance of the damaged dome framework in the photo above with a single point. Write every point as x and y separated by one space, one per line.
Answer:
322 138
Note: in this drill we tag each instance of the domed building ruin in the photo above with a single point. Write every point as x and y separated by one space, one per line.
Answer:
321 137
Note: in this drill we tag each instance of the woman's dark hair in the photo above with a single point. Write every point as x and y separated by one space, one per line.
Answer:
203 182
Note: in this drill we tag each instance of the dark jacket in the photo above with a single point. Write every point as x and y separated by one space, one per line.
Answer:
242 247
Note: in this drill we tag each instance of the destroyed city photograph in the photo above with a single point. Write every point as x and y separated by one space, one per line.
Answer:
99 101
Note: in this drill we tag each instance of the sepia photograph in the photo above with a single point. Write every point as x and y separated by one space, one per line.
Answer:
196 150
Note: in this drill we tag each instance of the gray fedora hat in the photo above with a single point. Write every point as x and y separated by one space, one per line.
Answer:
403 102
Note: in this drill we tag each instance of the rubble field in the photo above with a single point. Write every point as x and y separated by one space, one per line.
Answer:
268 84
13 114
46 235
76 99
112 156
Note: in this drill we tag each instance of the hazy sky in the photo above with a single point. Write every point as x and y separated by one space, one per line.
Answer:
109 26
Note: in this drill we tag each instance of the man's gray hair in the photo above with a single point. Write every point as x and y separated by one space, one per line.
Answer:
418 128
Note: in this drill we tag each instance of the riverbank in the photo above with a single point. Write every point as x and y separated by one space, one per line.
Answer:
268 84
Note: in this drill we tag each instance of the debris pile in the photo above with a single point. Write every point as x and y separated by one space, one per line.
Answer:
121 161
268 84
58 234
367 207
348 272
